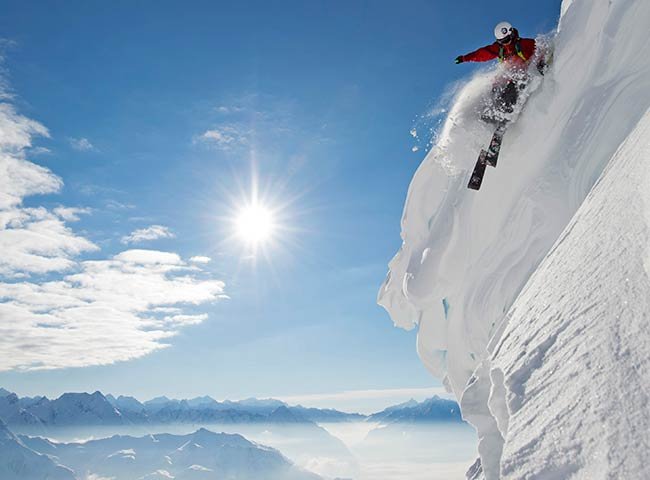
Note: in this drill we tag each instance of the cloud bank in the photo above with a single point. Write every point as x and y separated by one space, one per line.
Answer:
105 312
59 309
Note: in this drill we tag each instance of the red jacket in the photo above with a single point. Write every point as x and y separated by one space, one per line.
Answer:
510 56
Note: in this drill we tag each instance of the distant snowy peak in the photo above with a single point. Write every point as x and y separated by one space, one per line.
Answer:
206 437
158 403
285 415
255 405
435 409
408 404
68 409
83 408
203 402
129 404
13 413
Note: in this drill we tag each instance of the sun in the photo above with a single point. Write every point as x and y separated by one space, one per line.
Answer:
254 224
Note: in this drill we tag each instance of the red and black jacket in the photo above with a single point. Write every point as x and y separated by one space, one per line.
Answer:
516 53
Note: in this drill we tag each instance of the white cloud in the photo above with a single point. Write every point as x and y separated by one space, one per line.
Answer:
20 178
16 131
152 232
225 137
34 240
81 144
168 310
104 313
39 151
115 205
200 259
229 109
186 319
149 257
79 313
71 214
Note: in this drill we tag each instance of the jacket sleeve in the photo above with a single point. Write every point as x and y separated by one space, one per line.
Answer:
483 54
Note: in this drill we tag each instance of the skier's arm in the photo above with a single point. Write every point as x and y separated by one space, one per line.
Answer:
483 54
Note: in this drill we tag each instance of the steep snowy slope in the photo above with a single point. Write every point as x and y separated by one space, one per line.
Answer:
477 250
18 462
571 373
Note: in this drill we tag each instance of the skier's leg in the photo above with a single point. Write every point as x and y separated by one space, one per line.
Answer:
508 97
492 110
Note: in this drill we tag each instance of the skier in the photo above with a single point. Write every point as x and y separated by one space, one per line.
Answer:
515 53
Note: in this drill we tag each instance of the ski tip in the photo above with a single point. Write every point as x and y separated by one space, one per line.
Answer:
476 179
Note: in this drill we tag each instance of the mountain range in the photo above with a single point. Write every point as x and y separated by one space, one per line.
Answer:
72 409
200 455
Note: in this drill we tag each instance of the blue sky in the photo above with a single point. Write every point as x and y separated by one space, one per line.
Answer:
161 113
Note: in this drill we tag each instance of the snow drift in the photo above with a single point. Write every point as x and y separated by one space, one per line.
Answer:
577 393
467 256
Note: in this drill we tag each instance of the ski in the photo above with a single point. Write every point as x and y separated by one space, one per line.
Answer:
479 170
487 157
495 144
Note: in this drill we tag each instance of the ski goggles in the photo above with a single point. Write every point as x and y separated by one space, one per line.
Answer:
506 40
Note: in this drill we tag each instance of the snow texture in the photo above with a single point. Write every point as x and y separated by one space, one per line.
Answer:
571 373
552 376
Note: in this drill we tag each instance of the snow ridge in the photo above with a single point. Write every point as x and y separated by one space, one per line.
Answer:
466 256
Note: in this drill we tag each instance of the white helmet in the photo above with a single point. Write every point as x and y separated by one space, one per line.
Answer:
503 30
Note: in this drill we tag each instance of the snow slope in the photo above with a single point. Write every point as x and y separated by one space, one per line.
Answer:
18 462
477 250
571 371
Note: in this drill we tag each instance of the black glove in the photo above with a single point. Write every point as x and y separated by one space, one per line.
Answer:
459 59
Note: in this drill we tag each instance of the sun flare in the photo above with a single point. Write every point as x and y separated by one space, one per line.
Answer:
255 224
